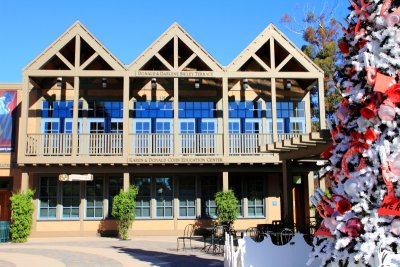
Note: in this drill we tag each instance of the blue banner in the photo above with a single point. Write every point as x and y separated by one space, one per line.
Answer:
8 104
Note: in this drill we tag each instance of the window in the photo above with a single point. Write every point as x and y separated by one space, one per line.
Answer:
208 126
245 109
153 109
187 196
297 125
234 126
94 198
235 184
105 109
114 187
143 198
141 140
70 200
208 191
255 197
196 109
164 197
48 198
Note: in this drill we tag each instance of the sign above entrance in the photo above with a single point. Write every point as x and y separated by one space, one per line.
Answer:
75 177
172 160
155 74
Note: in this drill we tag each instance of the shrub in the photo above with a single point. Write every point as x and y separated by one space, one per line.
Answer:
123 209
22 210
227 207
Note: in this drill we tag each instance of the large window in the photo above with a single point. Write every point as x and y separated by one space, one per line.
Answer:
187 196
143 198
153 109
114 187
94 198
235 184
246 109
48 198
255 197
164 197
70 200
197 109
209 187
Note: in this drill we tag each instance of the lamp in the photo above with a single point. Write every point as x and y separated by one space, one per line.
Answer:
59 81
153 83
245 83
288 84
197 83
104 82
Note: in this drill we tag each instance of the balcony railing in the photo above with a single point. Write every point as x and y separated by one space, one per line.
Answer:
149 144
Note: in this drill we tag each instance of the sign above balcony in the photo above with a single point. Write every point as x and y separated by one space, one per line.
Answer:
154 74
175 160
75 177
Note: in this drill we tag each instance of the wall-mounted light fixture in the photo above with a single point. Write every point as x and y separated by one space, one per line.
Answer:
245 83
288 84
59 81
153 83
197 83
104 82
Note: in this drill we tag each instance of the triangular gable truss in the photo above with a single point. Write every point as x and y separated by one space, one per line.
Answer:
272 38
175 34
78 34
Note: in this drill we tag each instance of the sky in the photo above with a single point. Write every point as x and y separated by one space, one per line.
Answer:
127 27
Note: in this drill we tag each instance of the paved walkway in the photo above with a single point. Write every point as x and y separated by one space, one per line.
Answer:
97 251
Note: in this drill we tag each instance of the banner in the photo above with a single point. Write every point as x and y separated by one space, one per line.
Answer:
8 104
390 206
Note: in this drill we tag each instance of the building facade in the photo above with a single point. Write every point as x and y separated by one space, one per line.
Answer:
174 122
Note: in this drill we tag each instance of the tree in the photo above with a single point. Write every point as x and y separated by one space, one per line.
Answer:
123 209
227 207
321 33
22 210
362 215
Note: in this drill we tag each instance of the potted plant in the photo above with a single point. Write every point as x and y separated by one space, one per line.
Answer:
227 207
123 209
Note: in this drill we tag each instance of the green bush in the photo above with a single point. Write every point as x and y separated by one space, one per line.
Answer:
227 207
21 222
123 209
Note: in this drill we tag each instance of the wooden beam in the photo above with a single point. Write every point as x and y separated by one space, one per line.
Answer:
66 62
163 61
283 63
187 61
261 62
88 61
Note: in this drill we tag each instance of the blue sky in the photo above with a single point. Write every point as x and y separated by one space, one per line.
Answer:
127 27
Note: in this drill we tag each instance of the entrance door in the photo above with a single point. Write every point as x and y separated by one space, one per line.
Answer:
5 205
96 127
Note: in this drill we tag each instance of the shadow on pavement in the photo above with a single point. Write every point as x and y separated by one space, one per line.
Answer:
157 258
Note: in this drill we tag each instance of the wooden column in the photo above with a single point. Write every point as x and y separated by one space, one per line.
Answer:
287 191
176 117
23 123
307 112
125 134
225 181
24 181
321 102
225 115
310 180
274 112
126 181
75 113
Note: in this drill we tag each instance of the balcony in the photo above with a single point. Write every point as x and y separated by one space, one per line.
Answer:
50 147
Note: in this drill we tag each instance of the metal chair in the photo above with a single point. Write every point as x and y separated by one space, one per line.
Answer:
218 239
187 235
286 236
254 233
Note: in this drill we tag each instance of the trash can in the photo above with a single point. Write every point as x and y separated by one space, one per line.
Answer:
4 231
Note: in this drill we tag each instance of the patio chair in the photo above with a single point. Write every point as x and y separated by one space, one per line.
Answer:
254 233
286 236
218 239
187 235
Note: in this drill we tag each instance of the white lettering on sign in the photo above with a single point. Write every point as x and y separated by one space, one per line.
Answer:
171 160
175 74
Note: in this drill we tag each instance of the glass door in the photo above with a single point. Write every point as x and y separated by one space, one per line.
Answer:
142 137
